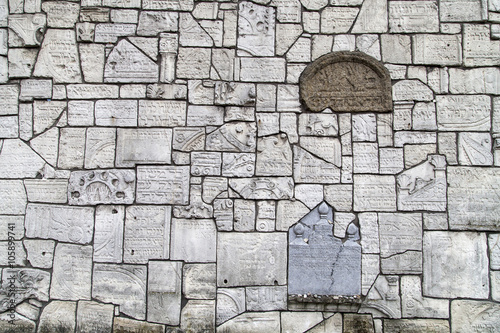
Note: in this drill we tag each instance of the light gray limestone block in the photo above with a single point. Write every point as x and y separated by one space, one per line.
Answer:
494 250
346 172
470 316
143 146
160 91
146 233
40 253
413 16
344 43
223 62
230 303
193 240
251 322
310 169
409 262
230 28
234 93
370 269
260 259
47 190
12 227
415 305
318 124
201 115
495 285
213 187
92 60
124 16
461 258
369 230
184 5
409 90
300 51
21 322
262 69
12 254
123 285
91 91
198 316
61 14
274 156
321 44
332 324
71 148
365 157
9 95
33 88
164 292
100 148
485 80
238 165
223 214
424 116
369 44
424 186
4 13
403 138
193 63
396 48
110 32
416 325
196 208
288 10
416 154
295 322
206 10
266 298
58 58
233 137
437 49
72 272
122 3
435 221
9 127
374 193
58 315
463 112
310 194
101 187
214 30
266 216
266 97
244 215
286 35
267 123
339 196
263 188
327 148
94 317
383 299
12 197
474 148
80 113
136 91
62 223
288 125
397 72
479 49
461 11
46 114
372 17
162 113
191 33
85 31
338 19
199 281
400 232
473 204
391 160
201 92
163 184
108 235
125 325
188 138
18 160
24 29
19 284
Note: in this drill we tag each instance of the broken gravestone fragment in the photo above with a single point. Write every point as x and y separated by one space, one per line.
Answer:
321 267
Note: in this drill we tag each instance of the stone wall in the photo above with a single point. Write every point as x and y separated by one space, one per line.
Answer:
163 163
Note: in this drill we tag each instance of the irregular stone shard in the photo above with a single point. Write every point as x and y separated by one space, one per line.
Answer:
28 283
121 324
237 137
85 32
61 14
92 316
58 315
146 233
46 114
230 303
328 80
126 63
470 316
197 208
286 35
372 17
266 298
110 32
326 148
72 273
448 251
472 199
310 169
358 323
259 257
383 300
320 263
223 214
62 223
191 33
101 187
463 112
263 188
143 146
415 305
274 156
374 193
238 165
479 49
164 292
413 16
474 149
40 252
47 190
253 322
58 57
27 29
256 29
423 187
494 246
416 325
193 240
233 93
124 285
198 315
337 19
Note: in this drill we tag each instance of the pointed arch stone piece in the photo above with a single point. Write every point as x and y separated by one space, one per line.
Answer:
346 82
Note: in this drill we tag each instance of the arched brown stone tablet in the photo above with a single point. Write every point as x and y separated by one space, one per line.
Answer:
346 81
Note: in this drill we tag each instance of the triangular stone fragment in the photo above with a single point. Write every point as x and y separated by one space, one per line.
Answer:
146 45
191 33
18 160
126 63
46 114
46 145
372 17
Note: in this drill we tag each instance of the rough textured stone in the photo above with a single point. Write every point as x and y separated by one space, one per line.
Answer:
58 315
467 315
376 193
150 188
253 322
164 292
193 240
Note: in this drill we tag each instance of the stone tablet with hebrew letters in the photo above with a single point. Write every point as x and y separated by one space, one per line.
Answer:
346 82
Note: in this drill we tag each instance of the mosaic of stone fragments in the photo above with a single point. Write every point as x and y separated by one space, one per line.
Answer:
249 166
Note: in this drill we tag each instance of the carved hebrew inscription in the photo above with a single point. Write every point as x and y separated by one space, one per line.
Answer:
346 81
320 263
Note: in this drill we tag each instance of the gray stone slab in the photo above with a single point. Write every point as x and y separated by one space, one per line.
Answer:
20 284
413 16
470 316
164 292
24 28
163 184
40 253
437 49
91 91
110 32
199 281
374 193
416 325
13 227
400 232
61 14
475 149
162 113
230 303
108 235
383 299
116 113
263 188
94 316
479 49
463 112
143 146
100 148
126 325
12 197
198 316
47 190
358 323
266 298
338 19
262 69
71 148
193 63
193 240
460 11
415 305
244 215
58 315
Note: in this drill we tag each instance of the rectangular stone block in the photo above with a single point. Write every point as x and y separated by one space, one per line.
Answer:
416 325
108 236
91 91
474 316
94 317
100 148
47 190
400 232
162 113
110 32
116 113
9 95
409 262
164 292
11 226
251 259
193 240
143 146
30 89
80 113
199 281
12 197
413 16
460 10
262 70
460 80
253 40
374 193
479 49
441 50
263 188
266 298
163 184
463 112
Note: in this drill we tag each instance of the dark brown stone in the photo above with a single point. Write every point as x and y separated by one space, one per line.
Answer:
346 81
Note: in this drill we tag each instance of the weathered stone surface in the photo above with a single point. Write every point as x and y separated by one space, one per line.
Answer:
326 148
230 303
16 224
40 252
108 236
199 281
19 284
12 197
46 114
374 193
253 322
415 305
337 19
143 146
168 4
413 16
358 323
319 93
162 113
267 124
318 124
274 156
206 164
72 273
198 316
193 63
47 190
32 88
71 148
437 49
256 29
263 188
463 112
101 187
479 50
94 316
197 208
124 285
383 300
365 157
223 214
81 113
485 81
310 169
27 29
9 95
409 262
408 90
58 315
472 204
205 115
110 32
125 325
400 232
416 325
474 316
238 164
233 93
244 215
62 223
474 149
61 14
100 148
193 240
164 292
459 11
449 251
262 69
286 35
191 33
146 233
293 322
266 298
91 91
260 258
494 247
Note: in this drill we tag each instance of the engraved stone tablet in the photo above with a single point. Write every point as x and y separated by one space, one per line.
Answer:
256 29
163 184
94 317
164 291
143 146
346 81
193 240
475 316
320 263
